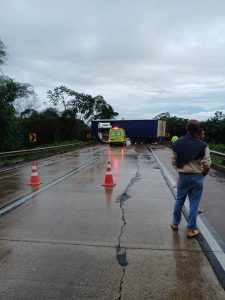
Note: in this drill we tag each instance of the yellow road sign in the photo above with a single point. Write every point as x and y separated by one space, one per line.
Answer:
33 137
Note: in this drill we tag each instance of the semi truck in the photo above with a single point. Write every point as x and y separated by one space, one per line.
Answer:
138 131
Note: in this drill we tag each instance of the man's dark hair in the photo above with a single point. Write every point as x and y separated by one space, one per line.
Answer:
193 126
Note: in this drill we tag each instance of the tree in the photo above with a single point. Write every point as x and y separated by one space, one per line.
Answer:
45 124
79 109
25 104
163 116
219 115
83 105
10 90
174 125
69 125
27 113
215 130
103 110
60 95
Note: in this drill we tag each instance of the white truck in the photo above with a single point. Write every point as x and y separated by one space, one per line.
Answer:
103 132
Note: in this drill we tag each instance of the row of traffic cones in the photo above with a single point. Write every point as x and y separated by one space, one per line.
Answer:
108 181
35 180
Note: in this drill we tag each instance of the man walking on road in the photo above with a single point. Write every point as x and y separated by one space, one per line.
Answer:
191 158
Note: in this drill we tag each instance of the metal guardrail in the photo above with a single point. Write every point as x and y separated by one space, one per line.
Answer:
218 155
31 151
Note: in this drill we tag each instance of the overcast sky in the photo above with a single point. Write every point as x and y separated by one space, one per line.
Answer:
144 57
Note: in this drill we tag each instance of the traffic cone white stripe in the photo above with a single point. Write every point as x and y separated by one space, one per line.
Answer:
34 174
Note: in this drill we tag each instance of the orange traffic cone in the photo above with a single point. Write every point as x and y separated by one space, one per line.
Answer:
34 179
108 176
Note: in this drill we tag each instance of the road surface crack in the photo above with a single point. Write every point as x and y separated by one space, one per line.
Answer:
121 254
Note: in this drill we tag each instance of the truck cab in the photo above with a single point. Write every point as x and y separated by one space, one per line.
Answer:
103 131
117 136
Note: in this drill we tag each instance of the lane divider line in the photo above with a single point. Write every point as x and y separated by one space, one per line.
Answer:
19 201
208 243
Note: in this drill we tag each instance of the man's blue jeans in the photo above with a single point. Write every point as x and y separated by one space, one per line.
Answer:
191 185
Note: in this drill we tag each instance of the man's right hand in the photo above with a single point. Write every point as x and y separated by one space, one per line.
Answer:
205 171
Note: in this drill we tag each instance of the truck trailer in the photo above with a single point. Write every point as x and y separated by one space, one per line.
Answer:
138 131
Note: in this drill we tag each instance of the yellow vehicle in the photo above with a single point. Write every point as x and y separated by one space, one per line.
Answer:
117 136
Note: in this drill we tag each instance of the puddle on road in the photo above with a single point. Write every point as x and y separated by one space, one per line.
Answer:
121 256
132 156
122 198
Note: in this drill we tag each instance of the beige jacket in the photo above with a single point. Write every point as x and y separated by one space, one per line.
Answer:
194 166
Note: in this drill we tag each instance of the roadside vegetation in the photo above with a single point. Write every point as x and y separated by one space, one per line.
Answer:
214 128
214 131
218 148
66 115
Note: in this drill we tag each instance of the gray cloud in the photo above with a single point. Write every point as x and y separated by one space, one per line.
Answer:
143 56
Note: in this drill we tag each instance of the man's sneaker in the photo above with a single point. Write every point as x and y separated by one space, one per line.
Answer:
174 227
192 233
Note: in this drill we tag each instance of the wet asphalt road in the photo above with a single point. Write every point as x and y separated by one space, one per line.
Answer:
78 240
